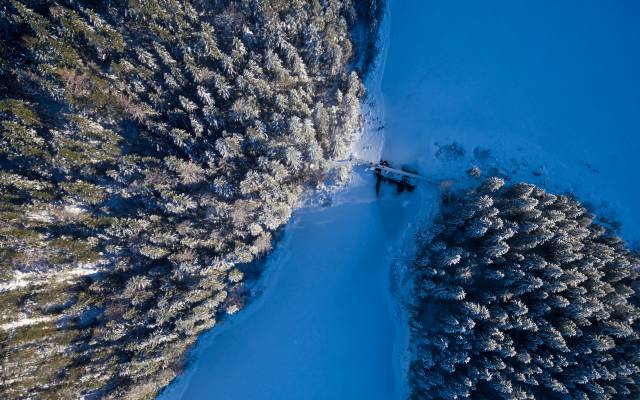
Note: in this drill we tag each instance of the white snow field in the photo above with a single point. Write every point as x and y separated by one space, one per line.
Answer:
539 91
549 88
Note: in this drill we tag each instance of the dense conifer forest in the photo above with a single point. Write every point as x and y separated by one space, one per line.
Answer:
148 150
522 294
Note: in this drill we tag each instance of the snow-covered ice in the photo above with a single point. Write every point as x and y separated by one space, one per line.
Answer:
545 92
550 89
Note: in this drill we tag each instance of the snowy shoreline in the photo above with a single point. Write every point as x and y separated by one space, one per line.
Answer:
179 386
369 146
356 195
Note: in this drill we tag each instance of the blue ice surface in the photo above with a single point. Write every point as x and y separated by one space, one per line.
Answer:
553 85
325 326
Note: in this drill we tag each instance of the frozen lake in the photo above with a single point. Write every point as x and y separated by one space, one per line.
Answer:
547 87
546 92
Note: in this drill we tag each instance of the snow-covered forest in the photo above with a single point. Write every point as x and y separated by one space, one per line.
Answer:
148 150
520 294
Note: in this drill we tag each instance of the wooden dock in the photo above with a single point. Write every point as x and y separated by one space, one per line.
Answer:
385 168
